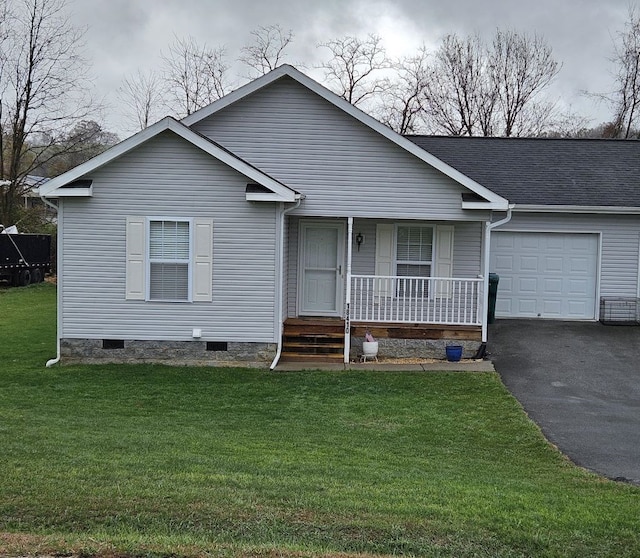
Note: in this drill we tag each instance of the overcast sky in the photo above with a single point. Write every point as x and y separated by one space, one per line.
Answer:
124 35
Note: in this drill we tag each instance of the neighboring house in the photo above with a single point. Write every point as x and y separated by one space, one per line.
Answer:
282 222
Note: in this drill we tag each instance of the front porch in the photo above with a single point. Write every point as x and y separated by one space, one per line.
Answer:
407 283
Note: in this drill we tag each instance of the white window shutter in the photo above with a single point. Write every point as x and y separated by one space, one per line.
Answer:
136 254
202 260
444 258
384 259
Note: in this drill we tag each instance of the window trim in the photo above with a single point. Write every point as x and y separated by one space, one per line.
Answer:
188 260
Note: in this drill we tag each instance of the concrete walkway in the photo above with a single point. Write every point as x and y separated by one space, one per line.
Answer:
441 366
580 382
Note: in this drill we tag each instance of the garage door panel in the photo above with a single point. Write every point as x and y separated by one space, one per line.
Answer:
552 307
555 243
553 264
503 306
504 264
579 287
530 242
527 307
527 285
553 286
549 275
577 308
528 263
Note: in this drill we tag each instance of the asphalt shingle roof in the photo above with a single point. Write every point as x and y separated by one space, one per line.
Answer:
582 172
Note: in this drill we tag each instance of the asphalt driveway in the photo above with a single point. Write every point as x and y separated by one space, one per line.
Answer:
580 382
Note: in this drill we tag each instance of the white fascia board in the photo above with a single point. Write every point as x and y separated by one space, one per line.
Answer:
268 197
494 206
75 192
309 83
601 209
54 187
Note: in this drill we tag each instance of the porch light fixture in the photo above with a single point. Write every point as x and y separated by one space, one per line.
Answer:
359 240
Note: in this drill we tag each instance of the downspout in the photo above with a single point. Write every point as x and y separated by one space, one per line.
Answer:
347 296
487 255
56 360
280 275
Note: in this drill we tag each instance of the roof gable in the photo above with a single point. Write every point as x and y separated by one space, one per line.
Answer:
490 200
276 191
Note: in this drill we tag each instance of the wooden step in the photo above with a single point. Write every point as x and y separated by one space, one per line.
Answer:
317 329
305 357
302 344
313 340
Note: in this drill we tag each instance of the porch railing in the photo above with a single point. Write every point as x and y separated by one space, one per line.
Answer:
427 300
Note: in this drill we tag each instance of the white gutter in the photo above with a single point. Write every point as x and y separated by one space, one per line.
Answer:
280 282
59 251
487 256
599 209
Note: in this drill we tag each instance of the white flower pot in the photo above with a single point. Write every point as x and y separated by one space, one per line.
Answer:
370 349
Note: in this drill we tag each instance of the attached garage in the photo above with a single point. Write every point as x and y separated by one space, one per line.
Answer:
546 274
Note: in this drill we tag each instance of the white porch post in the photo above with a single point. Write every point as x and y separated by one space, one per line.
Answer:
347 296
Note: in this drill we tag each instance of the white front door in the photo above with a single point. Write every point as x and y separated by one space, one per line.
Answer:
321 268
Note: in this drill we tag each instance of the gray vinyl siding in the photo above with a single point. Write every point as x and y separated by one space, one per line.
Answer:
343 167
467 252
168 177
619 249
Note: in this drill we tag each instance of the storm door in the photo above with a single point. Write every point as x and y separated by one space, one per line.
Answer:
321 269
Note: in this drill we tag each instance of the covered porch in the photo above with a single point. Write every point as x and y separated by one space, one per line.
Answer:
347 277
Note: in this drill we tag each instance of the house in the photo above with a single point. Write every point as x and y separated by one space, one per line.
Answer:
282 222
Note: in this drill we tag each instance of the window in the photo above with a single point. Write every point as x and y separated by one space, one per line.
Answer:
414 256
169 260
414 251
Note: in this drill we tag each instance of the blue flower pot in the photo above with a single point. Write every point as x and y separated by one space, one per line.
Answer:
454 353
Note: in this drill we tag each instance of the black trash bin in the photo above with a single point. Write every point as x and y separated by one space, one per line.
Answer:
493 295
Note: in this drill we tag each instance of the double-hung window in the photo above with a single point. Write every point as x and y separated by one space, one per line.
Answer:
169 260
414 257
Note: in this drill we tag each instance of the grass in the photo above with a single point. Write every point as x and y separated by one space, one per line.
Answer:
171 461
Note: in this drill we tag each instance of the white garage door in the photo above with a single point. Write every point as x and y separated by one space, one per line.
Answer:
545 275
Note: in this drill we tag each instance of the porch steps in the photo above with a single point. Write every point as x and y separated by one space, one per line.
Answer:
313 340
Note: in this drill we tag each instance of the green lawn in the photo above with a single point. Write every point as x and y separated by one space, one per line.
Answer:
161 461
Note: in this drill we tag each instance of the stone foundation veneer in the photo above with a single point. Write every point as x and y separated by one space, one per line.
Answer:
90 351
414 348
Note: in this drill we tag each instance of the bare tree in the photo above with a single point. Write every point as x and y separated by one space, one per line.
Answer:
477 89
521 66
404 102
457 88
42 83
267 50
626 96
143 95
355 69
195 75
